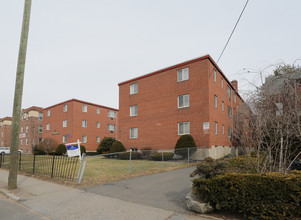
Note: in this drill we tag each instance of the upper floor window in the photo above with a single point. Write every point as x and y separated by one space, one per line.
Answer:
40 116
229 132
183 128
40 129
133 88
183 101
230 112
214 75
111 127
98 110
64 139
65 108
112 114
215 101
21 129
26 141
98 124
84 123
133 133
84 139
222 83
26 129
98 139
64 123
183 74
85 108
223 108
215 128
48 127
48 113
134 110
229 92
223 129
234 98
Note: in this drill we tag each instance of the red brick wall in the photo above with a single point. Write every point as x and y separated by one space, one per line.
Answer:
6 129
74 129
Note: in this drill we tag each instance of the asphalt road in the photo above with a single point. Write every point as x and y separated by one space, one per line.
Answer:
164 190
14 211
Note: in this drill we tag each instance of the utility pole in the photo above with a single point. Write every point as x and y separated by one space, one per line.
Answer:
13 166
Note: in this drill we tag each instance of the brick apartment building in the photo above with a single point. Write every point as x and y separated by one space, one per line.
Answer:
192 97
5 131
31 128
74 120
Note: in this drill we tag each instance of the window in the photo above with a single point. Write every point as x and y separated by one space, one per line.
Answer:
84 123
229 132
21 129
98 110
112 114
40 129
98 124
222 83
230 112
183 128
2 134
27 116
84 139
183 101
40 116
48 113
64 123
40 140
133 133
48 127
183 74
134 110
111 127
98 139
223 129
26 142
214 75
64 139
84 108
26 129
21 142
134 88
65 108
223 108
229 92
215 128
215 101
234 98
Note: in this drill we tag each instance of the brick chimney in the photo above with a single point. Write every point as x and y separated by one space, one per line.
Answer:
235 84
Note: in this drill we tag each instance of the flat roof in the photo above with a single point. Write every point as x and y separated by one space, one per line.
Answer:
80 101
180 65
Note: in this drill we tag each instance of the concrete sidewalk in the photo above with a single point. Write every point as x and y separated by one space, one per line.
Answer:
59 202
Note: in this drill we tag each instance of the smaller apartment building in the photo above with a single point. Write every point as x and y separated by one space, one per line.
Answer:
5 131
192 97
74 120
31 128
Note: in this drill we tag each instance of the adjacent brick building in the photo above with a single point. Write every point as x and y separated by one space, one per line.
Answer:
192 97
74 120
31 128
5 131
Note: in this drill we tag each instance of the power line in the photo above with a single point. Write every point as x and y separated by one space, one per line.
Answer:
233 30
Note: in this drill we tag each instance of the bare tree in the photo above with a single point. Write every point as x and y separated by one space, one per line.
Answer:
48 145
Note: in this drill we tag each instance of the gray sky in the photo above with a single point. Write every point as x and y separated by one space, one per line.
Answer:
83 49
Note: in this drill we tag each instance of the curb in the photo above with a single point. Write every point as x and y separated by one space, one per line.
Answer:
11 196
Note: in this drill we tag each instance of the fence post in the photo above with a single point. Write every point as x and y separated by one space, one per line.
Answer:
34 163
20 160
130 160
188 154
52 166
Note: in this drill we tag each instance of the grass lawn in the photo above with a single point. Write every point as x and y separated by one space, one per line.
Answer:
100 170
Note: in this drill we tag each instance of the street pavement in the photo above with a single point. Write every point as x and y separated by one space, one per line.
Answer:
163 190
53 201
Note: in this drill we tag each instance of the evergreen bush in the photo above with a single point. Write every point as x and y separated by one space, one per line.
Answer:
158 156
184 142
117 147
60 149
105 145
126 155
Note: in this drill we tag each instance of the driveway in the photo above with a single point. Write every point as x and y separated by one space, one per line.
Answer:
164 190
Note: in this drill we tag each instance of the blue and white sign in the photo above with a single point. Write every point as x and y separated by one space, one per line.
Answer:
73 149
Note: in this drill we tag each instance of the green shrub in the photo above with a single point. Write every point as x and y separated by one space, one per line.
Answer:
60 149
259 196
126 156
184 142
117 147
147 151
158 156
38 151
82 149
105 145
91 153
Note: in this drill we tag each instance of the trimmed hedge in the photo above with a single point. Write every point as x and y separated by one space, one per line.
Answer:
105 145
126 156
117 147
260 196
60 149
158 156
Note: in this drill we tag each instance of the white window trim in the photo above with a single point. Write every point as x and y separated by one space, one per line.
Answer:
47 127
84 139
215 127
215 101
133 111
97 124
64 123
65 108
133 134
184 106
48 113
98 110
111 127
112 114
132 88
84 123
223 106
184 73
84 108
184 132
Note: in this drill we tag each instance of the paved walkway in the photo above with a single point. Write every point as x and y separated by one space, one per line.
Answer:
59 202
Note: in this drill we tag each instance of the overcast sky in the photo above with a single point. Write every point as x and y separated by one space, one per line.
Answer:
83 48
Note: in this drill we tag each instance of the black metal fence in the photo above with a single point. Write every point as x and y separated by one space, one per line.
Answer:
51 166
